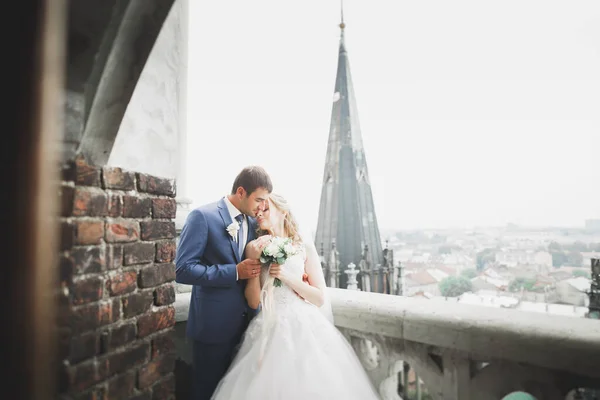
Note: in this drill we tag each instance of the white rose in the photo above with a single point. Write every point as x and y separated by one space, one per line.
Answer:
271 249
289 249
233 229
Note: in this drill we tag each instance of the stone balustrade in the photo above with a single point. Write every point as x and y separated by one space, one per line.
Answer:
468 352
464 352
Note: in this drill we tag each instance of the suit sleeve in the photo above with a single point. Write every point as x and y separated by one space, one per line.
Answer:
189 268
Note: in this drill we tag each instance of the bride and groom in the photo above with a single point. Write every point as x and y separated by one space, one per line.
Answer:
260 333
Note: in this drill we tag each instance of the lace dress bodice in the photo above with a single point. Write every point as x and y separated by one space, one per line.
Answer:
284 295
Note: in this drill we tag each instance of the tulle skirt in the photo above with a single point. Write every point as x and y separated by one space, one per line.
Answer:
296 354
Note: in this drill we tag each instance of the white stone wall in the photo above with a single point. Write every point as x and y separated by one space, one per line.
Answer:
147 140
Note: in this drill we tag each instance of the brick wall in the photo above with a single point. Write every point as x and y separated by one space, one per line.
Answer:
116 313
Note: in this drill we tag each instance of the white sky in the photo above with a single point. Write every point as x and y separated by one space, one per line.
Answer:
472 112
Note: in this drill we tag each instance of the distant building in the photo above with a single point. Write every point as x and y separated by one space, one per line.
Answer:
573 291
592 225
515 258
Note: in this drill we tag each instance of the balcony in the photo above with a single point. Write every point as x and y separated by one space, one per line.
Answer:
462 352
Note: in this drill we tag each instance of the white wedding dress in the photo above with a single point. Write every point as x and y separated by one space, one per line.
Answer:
292 351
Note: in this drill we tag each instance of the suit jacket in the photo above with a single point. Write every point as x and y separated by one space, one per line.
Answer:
206 258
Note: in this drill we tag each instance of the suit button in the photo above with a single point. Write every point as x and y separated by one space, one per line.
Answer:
244 314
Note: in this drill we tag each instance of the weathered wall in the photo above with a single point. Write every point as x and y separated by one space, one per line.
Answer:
116 313
147 140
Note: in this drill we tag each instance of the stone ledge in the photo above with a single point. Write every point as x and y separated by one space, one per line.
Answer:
182 306
478 331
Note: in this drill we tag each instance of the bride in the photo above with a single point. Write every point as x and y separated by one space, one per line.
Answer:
292 350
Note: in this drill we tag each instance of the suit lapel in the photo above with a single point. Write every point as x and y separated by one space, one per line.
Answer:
224 211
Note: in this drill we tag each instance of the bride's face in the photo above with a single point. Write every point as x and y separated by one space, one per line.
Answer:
270 217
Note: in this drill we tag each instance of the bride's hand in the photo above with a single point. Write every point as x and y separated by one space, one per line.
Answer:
255 247
277 272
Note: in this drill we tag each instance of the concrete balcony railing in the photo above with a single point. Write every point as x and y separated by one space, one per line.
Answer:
467 352
464 352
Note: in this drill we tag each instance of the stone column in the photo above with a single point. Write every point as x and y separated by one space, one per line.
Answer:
183 201
351 272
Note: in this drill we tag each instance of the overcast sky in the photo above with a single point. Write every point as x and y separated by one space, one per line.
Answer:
472 112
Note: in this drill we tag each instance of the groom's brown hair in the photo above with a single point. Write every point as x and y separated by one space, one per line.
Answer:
252 178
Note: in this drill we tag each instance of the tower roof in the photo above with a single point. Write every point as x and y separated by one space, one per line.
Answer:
347 213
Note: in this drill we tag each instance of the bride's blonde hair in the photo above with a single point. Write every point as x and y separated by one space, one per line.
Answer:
290 224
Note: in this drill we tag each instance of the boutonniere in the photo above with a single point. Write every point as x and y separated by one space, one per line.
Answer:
233 229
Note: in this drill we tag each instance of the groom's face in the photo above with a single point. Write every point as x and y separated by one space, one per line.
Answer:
253 203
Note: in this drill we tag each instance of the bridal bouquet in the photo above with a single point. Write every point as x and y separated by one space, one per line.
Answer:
277 251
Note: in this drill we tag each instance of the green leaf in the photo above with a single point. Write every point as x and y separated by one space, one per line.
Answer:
277 282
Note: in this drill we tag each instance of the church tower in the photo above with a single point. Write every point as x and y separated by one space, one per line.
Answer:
347 221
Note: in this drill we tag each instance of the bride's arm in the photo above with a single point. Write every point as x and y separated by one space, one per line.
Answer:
313 291
252 292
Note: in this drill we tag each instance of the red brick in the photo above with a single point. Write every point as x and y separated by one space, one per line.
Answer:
164 295
115 363
88 260
81 376
89 202
165 251
155 185
67 269
156 321
137 303
136 207
83 347
89 232
89 317
67 171
122 230
67 194
156 274
115 205
86 290
85 174
67 235
164 208
165 389
118 336
117 178
155 370
163 344
122 387
143 396
122 283
153 230
96 393
114 256
138 253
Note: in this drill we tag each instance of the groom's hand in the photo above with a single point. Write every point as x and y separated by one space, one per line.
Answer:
248 269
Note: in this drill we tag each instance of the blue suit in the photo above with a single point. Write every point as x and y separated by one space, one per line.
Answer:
207 257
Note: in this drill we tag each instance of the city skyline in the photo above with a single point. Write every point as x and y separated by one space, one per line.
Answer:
459 129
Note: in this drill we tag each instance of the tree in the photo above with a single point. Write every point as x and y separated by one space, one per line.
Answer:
454 286
559 259
579 246
521 283
469 273
554 247
485 256
575 259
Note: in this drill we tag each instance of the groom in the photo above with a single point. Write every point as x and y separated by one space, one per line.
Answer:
210 256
